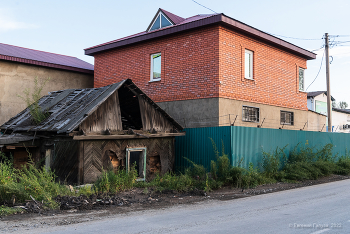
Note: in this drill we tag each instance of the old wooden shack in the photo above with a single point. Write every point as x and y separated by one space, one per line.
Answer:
91 130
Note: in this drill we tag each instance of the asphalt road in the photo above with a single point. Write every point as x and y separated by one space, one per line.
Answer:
316 209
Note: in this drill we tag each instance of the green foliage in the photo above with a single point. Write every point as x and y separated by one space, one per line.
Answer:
113 182
273 162
171 181
4 210
7 177
32 101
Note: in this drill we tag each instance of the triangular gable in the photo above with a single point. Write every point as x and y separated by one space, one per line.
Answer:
163 19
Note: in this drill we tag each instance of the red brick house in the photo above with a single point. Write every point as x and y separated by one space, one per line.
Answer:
210 70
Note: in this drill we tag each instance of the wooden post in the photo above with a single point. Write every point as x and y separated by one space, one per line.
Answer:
329 102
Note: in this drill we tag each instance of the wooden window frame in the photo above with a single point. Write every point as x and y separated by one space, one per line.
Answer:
144 153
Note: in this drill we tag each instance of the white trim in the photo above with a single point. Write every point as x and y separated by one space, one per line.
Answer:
303 69
151 75
160 21
251 60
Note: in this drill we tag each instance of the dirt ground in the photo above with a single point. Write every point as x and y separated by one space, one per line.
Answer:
135 200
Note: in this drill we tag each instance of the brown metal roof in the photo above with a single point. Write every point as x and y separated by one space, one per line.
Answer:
46 59
202 21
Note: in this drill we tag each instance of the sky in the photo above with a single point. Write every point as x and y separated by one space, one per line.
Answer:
69 26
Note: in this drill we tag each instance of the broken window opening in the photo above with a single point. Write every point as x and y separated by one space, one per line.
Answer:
130 109
137 157
154 164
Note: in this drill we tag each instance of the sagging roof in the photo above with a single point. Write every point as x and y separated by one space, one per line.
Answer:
69 108
316 93
184 24
46 59
14 138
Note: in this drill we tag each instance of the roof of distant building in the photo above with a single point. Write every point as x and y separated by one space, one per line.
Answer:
346 111
316 93
180 24
41 58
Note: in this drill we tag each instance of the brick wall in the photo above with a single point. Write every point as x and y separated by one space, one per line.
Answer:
275 72
194 63
190 66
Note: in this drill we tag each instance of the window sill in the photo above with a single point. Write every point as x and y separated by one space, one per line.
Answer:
154 81
248 78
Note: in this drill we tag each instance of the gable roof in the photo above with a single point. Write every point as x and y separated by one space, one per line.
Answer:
182 24
41 58
316 93
69 108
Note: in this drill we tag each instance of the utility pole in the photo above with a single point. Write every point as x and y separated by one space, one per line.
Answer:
329 100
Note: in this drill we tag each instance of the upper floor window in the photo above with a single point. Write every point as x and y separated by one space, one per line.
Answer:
301 79
248 64
287 118
250 114
156 66
160 22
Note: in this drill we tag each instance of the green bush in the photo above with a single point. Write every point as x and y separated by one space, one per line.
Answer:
273 162
113 182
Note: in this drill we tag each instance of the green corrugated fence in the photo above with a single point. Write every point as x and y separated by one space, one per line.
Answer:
249 143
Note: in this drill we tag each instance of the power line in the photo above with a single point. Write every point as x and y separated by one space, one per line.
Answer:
317 73
307 39
204 6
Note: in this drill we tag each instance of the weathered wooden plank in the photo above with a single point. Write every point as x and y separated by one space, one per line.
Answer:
152 118
115 137
81 163
107 116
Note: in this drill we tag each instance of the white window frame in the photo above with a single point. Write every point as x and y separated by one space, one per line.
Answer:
144 153
303 83
258 114
251 60
152 79
160 22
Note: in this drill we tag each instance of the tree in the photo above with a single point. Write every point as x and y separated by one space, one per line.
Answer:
342 105
334 104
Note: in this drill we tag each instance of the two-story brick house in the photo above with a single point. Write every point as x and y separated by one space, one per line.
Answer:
210 70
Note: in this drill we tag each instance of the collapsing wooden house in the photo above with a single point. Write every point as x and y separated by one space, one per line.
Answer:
91 130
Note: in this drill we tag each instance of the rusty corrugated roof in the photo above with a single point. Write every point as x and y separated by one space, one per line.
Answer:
69 108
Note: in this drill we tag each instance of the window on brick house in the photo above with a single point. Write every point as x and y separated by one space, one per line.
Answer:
160 22
248 64
156 67
287 118
301 79
250 114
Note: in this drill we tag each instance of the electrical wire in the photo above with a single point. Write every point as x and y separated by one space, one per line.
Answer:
317 73
204 6
307 39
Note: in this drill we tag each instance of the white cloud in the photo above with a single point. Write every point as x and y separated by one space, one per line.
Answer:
8 22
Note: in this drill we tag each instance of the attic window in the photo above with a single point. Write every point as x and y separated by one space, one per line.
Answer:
160 22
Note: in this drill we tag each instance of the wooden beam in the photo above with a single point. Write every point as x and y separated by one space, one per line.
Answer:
115 137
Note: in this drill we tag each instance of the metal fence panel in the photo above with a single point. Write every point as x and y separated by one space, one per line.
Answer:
247 144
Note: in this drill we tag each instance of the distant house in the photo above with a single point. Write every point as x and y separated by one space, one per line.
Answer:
19 66
89 130
317 101
341 120
211 70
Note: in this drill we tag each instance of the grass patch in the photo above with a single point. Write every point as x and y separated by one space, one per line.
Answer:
5 210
